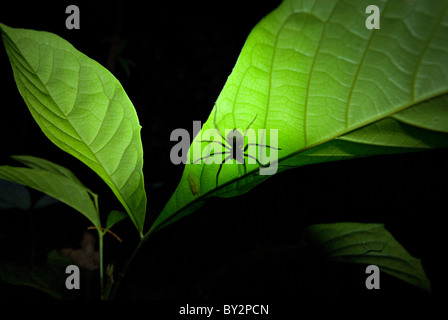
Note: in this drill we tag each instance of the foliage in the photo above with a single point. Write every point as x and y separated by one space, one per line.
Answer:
376 92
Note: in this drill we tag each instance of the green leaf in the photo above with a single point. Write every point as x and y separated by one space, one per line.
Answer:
332 88
113 218
367 243
83 109
55 185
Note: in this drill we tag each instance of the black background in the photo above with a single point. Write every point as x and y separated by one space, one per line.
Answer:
236 249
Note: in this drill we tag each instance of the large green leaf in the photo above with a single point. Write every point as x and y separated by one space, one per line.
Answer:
367 243
57 186
333 89
83 109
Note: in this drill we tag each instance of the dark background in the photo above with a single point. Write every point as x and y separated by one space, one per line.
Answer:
179 56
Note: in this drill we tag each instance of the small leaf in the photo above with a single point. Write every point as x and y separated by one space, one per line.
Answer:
13 195
55 185
83 109
45 201
367 243
48 277
114 217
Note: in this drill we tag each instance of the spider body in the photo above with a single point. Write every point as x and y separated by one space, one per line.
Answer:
233 147
236 146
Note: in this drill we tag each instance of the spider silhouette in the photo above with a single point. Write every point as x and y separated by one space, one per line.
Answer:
233 147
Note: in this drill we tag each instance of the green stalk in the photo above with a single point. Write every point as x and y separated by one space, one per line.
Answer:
100 248
126 266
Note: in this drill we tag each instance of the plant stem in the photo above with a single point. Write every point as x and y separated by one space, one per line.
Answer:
128 263
100 249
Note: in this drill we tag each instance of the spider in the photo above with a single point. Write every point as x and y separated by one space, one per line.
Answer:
234 147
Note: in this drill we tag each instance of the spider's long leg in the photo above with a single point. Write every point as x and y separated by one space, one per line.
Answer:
217 175
252 157
260 145
210 155
216 126
249 126
259 163
220 167
214 141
